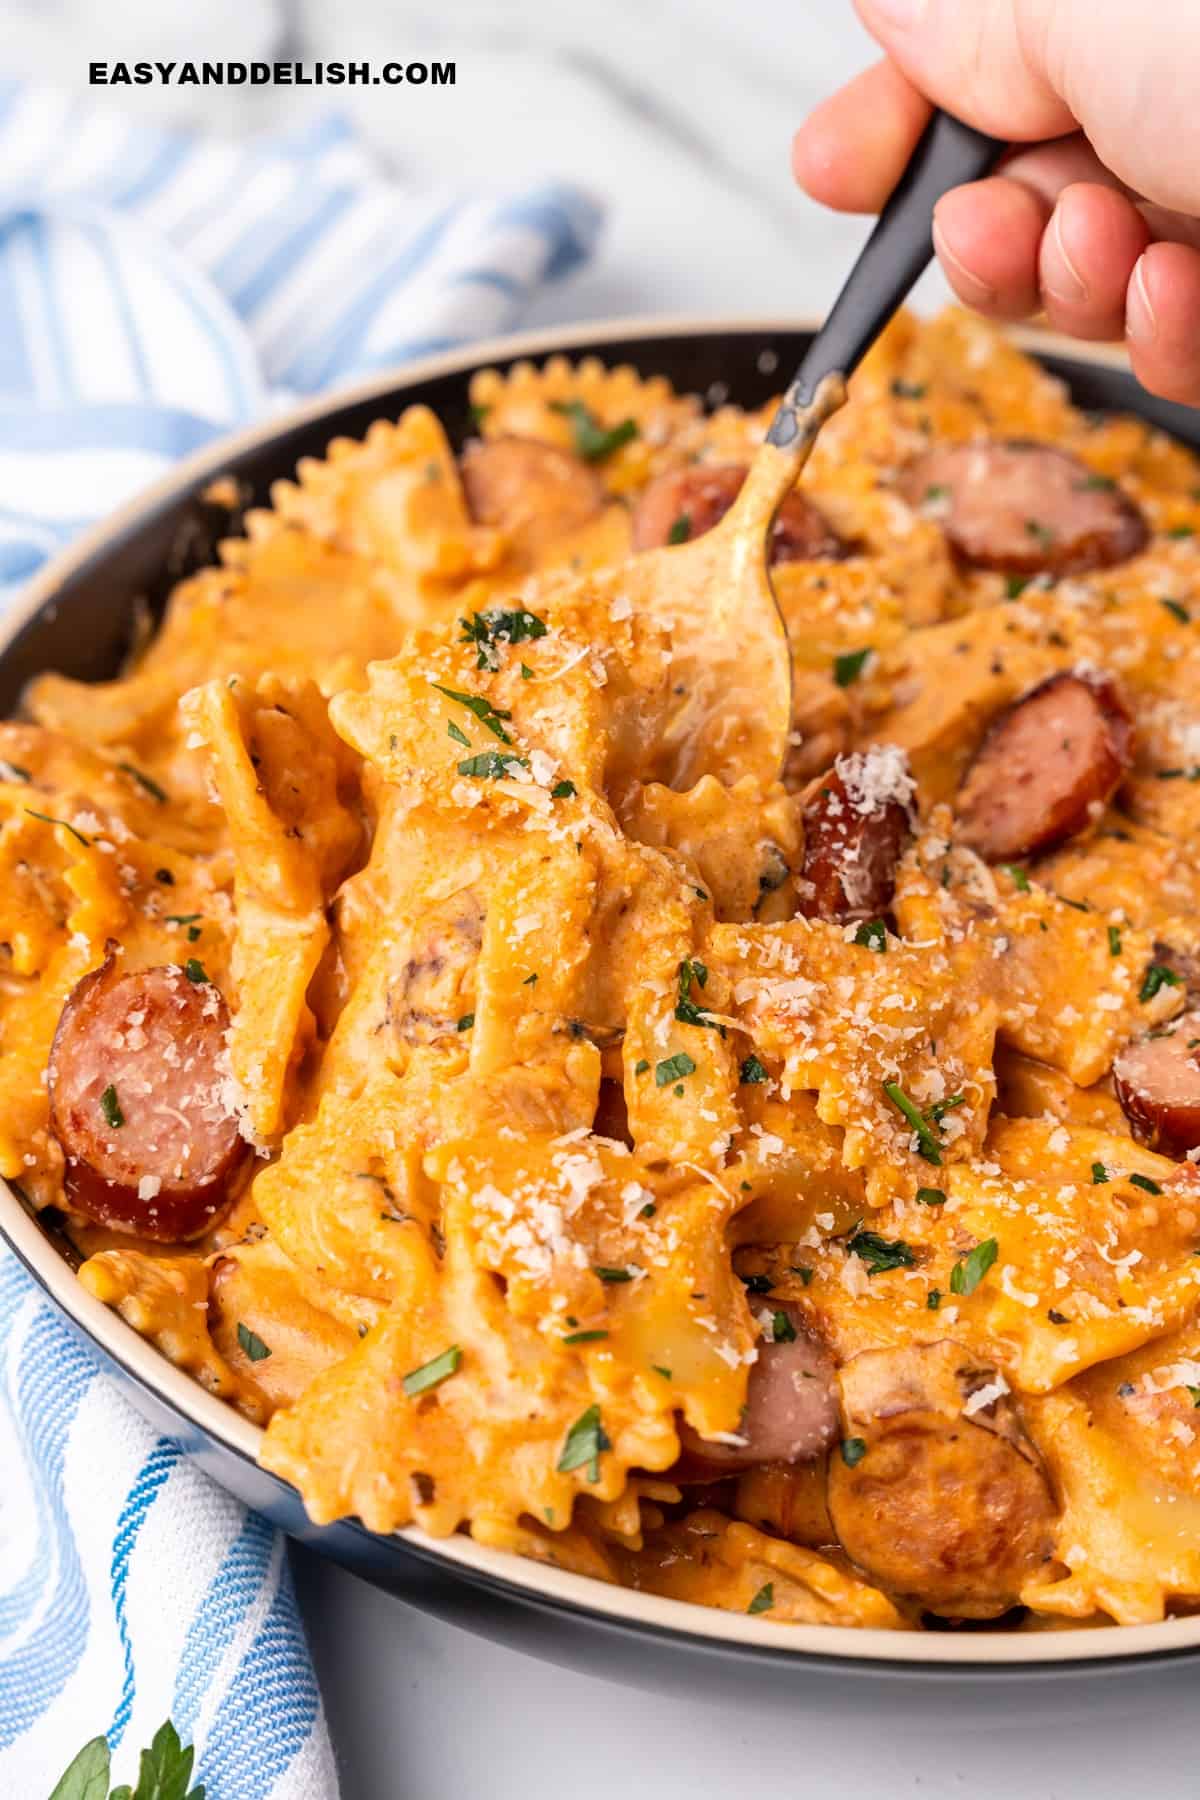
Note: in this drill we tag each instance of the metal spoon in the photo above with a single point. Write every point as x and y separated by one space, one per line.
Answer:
731 667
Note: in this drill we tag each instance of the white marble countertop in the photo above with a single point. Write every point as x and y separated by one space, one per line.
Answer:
678 114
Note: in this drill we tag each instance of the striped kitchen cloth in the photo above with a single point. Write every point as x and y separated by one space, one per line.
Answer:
157 290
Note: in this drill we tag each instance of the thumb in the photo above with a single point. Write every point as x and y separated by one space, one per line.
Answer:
983 60
1031 69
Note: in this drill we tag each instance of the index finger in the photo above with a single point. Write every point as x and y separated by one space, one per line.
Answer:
852 149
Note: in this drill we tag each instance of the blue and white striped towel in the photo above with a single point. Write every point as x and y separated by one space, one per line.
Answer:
157 290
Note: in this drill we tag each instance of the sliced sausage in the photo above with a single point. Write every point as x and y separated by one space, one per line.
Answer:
685 503
1047 767
141 1100
791 1412
1024 507
937 1493
1158 1084
436 985
855 827
532 490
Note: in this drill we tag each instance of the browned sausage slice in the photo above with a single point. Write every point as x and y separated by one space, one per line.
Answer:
1047 767
791 1412
855 827
937 1493
141 1101
1158 1084
685 503
532 490
1024 507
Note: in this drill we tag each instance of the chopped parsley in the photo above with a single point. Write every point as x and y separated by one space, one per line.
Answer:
782 1329
1178 611
908 390
752 1073
803 1272
489 716
1017 876
46 819
488 630
1195 1393
927 1141
1014 586
491 765
195 971
1042 533
584 1337
933 1299
466 1022
530 980
673 1068
1182 531
613 1274
927 1196
661 1369
681 529
585 1442
563 790
640 1067
967 1274
1157 976
1114 941
873 935
1101 483
458 734
476 415
764 1600
686 1009
879 1253
1099 1174
110 1106
853 1451
251 1344
849 666
593 441
430 1374
936 492
144 781
1144 1182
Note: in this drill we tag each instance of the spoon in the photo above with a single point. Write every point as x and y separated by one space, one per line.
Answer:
731 666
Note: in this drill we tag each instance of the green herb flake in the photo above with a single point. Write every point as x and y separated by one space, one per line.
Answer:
1114 941
489 716
640 1067
491 765
1195 1393
1043 533
46 819
611 1275
853 1451
933 1299
681 529
1144 1182
661 1369
584 1337
456 732
967 1274
803 1272
879 1253
431 1374
693 973
110 1106
488 630
1099 483
908 390
526 672
465 1023
1014 586
194 969
1178 611
927 1196
1017 876
563 790
1099 1174
752 1073
530 980
782 1329
585 1443
764 1600
144 781
927 1143
1157 976
849 666
251 1344
593 441
673 1068
872 935
1182 531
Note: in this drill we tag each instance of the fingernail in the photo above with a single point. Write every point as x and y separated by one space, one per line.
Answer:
969 286
1060 278
901 15
1140 322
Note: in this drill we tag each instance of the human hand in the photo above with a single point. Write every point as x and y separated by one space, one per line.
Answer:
1097 222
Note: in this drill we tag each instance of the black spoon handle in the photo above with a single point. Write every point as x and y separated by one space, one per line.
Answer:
900 246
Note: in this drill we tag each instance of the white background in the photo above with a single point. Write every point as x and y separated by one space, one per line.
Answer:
677 113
